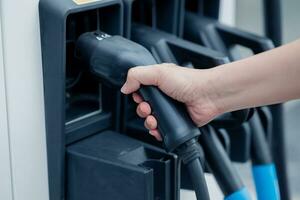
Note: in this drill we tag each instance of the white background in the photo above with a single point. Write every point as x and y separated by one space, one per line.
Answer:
24 103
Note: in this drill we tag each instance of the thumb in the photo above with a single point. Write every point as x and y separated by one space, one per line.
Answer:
141 75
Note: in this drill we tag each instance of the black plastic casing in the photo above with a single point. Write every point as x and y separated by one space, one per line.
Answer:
163 15
209 8
210 33
114 166
62 22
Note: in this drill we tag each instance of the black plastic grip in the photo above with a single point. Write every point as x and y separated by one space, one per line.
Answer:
174 123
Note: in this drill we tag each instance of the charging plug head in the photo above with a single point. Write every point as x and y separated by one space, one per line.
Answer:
110 57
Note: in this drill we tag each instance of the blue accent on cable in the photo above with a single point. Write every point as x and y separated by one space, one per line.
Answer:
242 194
266 182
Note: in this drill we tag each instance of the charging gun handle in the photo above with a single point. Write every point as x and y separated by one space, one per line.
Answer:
174 123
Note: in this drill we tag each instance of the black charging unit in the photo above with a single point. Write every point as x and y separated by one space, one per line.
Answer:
163 15
209 8
87 156
113 166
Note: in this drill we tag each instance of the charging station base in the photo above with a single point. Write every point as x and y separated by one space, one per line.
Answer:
112 166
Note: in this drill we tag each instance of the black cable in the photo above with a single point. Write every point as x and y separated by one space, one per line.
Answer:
273 30
273 20
219 163
260 150
198 180
191 153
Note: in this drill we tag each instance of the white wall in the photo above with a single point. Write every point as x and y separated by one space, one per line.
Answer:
5 172
228 12
24 99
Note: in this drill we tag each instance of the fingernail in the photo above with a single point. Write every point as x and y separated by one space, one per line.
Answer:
151 133
124 89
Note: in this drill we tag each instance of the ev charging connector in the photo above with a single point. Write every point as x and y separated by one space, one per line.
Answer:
110 58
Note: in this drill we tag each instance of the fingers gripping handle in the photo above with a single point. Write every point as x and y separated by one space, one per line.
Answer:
110 57
174 123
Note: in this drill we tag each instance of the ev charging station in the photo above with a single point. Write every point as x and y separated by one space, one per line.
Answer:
32 141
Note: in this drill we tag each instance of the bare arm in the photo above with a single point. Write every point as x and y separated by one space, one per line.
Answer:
266 78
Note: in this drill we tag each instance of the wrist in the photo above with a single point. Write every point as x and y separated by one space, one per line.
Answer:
215 92
225 88
209 92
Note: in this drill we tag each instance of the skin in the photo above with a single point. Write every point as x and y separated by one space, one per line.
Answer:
267 78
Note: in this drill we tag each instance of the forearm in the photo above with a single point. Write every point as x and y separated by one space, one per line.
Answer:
267 78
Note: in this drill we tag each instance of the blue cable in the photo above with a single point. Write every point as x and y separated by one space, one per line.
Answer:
242 194
266 182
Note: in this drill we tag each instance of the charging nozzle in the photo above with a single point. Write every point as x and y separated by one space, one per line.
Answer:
110 58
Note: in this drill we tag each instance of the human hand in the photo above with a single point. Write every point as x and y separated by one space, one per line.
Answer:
189 86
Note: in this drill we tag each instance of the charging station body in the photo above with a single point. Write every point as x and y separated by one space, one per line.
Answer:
80 110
